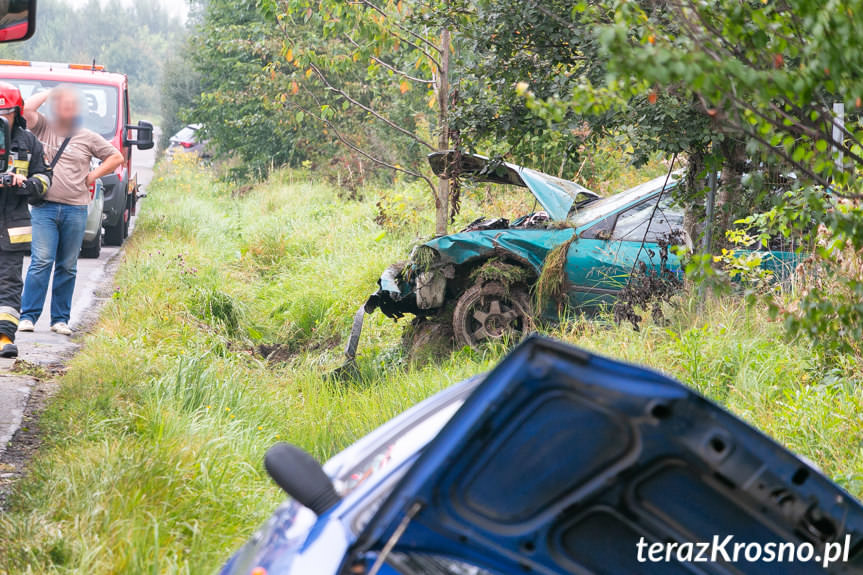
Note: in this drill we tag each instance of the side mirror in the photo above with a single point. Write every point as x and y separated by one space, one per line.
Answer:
17 20
4 145
144 141
301 477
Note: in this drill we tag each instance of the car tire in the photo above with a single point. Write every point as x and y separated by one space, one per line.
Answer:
127 216
488 312
114 234
93 250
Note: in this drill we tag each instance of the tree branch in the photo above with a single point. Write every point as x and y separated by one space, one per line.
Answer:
371 111
383 13
364 153
389 66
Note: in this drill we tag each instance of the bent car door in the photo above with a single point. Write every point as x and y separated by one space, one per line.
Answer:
566 462
602 259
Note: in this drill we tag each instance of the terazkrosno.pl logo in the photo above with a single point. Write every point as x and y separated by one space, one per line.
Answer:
727 550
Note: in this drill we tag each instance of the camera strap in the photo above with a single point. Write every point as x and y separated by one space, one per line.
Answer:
60 152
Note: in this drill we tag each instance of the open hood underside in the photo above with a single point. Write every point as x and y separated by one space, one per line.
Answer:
561 461
555 195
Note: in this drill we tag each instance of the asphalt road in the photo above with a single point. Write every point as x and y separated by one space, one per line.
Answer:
48 349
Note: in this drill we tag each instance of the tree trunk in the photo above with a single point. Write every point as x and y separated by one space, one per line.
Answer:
442 198
734 159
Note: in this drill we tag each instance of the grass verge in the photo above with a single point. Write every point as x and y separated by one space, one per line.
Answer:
153 445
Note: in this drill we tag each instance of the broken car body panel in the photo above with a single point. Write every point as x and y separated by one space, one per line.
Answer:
555 195
561 461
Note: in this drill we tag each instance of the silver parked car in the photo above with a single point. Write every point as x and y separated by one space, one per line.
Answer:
91 247
187 141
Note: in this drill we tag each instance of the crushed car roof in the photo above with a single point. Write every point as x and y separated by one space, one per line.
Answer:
556 195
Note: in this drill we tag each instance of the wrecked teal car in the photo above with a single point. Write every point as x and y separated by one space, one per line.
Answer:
578 252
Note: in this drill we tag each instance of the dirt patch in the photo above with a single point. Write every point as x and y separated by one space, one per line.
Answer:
428 340
24 367
276 353
23 445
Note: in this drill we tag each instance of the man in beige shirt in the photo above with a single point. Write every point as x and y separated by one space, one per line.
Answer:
59 222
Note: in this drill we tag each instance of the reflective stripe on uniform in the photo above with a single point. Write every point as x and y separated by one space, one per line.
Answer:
20 235
43 179
9 314
21 166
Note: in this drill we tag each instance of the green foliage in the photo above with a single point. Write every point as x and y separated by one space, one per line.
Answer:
332 83
744 265
153 444
219 309
504 45
181 87
240 107
754 83
770 70
547 51
133 38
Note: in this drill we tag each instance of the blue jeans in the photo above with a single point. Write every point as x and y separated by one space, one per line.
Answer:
58 230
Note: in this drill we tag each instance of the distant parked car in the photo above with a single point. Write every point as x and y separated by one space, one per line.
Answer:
187 141
557 461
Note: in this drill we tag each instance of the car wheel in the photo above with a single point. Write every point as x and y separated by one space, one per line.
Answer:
490 312
92 250
127 216
114 234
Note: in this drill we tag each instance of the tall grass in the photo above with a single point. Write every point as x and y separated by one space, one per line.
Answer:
154 443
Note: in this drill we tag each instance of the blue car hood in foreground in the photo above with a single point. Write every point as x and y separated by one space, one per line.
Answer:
562 461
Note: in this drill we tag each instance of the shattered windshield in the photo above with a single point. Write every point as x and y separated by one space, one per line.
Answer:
596 210
576 191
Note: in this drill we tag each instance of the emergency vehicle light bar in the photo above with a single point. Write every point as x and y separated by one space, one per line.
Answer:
92 67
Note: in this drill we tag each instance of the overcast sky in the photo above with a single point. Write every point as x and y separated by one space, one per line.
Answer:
178 8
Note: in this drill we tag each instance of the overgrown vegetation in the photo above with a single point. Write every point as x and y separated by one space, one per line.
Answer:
153 445
551 288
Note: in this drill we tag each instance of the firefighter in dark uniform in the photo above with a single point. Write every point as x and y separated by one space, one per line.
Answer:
27 182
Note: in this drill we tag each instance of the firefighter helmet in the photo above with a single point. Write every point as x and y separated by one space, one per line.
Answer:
10 98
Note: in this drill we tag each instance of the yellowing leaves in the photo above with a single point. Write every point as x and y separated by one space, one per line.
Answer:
295 88
404 87
289 55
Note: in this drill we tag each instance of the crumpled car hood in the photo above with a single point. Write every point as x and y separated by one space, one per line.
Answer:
555 195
